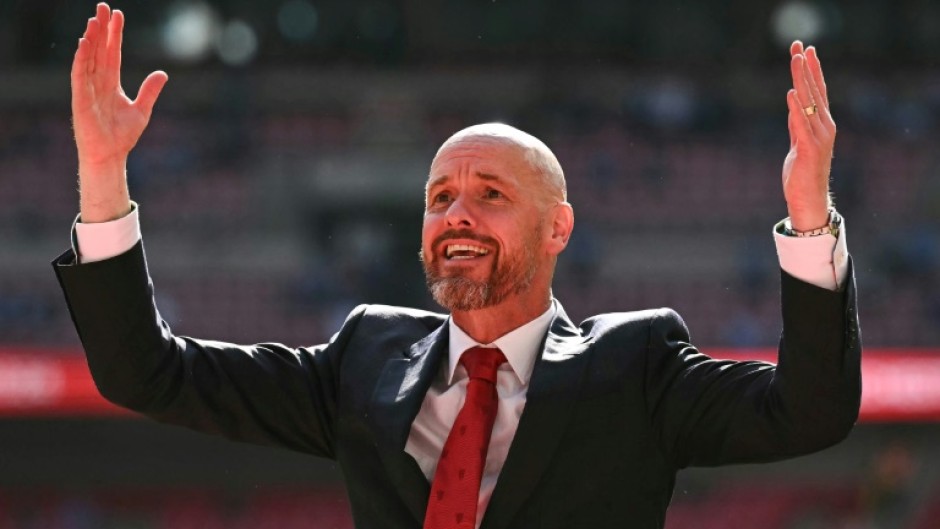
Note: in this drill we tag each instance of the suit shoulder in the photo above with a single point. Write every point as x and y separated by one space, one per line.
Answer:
615 322
394 327
388 315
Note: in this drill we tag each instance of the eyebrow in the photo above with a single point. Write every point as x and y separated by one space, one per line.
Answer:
490 177
441 180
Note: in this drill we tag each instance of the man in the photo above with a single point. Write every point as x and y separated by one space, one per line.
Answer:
504 414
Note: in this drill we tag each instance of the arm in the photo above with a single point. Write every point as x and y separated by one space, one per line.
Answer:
709 412
821 260
265 393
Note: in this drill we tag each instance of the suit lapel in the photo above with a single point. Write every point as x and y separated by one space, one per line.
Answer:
550 400
398 396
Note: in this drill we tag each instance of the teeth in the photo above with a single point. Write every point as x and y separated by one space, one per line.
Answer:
453 248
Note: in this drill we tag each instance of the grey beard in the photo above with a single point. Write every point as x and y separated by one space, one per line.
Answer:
462 294
459 293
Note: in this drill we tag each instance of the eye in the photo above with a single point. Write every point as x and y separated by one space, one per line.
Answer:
441 198
493 194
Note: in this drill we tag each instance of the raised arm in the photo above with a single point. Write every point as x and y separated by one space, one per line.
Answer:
107 122
264 393
710 412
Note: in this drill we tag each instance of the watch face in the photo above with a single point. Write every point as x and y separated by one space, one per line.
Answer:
835 223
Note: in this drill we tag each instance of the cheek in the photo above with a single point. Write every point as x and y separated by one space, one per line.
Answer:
427 237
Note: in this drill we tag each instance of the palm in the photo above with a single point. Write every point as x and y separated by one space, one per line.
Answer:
110 124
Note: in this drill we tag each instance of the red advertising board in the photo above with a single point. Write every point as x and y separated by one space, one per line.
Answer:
899 385
39 382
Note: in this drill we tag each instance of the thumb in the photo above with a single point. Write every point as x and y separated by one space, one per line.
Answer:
149 91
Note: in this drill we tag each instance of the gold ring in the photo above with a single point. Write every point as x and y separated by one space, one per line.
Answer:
810 110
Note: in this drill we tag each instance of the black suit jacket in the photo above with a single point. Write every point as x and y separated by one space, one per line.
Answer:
614 408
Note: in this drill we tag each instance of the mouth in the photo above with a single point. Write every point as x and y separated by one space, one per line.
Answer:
453 252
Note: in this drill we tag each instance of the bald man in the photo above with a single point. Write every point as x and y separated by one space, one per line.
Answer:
503 413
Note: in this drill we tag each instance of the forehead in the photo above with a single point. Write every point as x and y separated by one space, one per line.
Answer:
482 157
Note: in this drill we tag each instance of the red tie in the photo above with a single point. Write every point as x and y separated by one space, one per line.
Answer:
456 485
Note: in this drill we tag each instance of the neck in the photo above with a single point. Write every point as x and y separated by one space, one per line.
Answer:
486 325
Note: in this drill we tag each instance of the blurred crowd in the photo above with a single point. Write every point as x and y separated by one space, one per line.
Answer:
268 214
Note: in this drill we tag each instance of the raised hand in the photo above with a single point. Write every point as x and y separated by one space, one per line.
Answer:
107 123
812 136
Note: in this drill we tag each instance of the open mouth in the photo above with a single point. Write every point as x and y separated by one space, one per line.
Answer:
464 251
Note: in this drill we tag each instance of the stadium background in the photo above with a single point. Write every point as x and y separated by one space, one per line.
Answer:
280 184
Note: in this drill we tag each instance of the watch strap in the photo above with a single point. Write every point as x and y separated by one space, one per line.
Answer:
832 227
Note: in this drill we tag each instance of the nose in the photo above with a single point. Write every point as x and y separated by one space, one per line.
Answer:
459 214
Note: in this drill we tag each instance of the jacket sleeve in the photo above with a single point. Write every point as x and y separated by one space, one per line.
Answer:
708 412
265 394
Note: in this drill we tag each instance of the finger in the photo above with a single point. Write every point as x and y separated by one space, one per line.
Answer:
803 91
81 91
799 81
149 91
91 35
799 120
796 48
103 13
87 34
78 62
820 119
115 37
101 46
814 93
815 68
823 115
811 82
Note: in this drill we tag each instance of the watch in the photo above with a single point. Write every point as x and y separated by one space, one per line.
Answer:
835 223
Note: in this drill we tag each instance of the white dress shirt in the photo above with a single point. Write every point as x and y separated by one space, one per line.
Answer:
447 392
821 261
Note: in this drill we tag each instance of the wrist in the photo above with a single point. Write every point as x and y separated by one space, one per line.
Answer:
105 211
810 218
103 194
104 168
833 226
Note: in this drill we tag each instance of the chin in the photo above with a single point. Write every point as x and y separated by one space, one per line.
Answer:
460 293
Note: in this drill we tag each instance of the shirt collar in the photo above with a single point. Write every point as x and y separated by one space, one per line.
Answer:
520 345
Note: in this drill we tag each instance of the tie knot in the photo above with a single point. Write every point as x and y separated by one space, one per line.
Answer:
482 362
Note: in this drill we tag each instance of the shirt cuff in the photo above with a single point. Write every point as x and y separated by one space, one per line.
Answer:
104 240
822 260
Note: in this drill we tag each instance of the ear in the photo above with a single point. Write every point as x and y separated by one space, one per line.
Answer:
561 216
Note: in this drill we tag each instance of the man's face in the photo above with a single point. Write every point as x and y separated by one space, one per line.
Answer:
483 225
